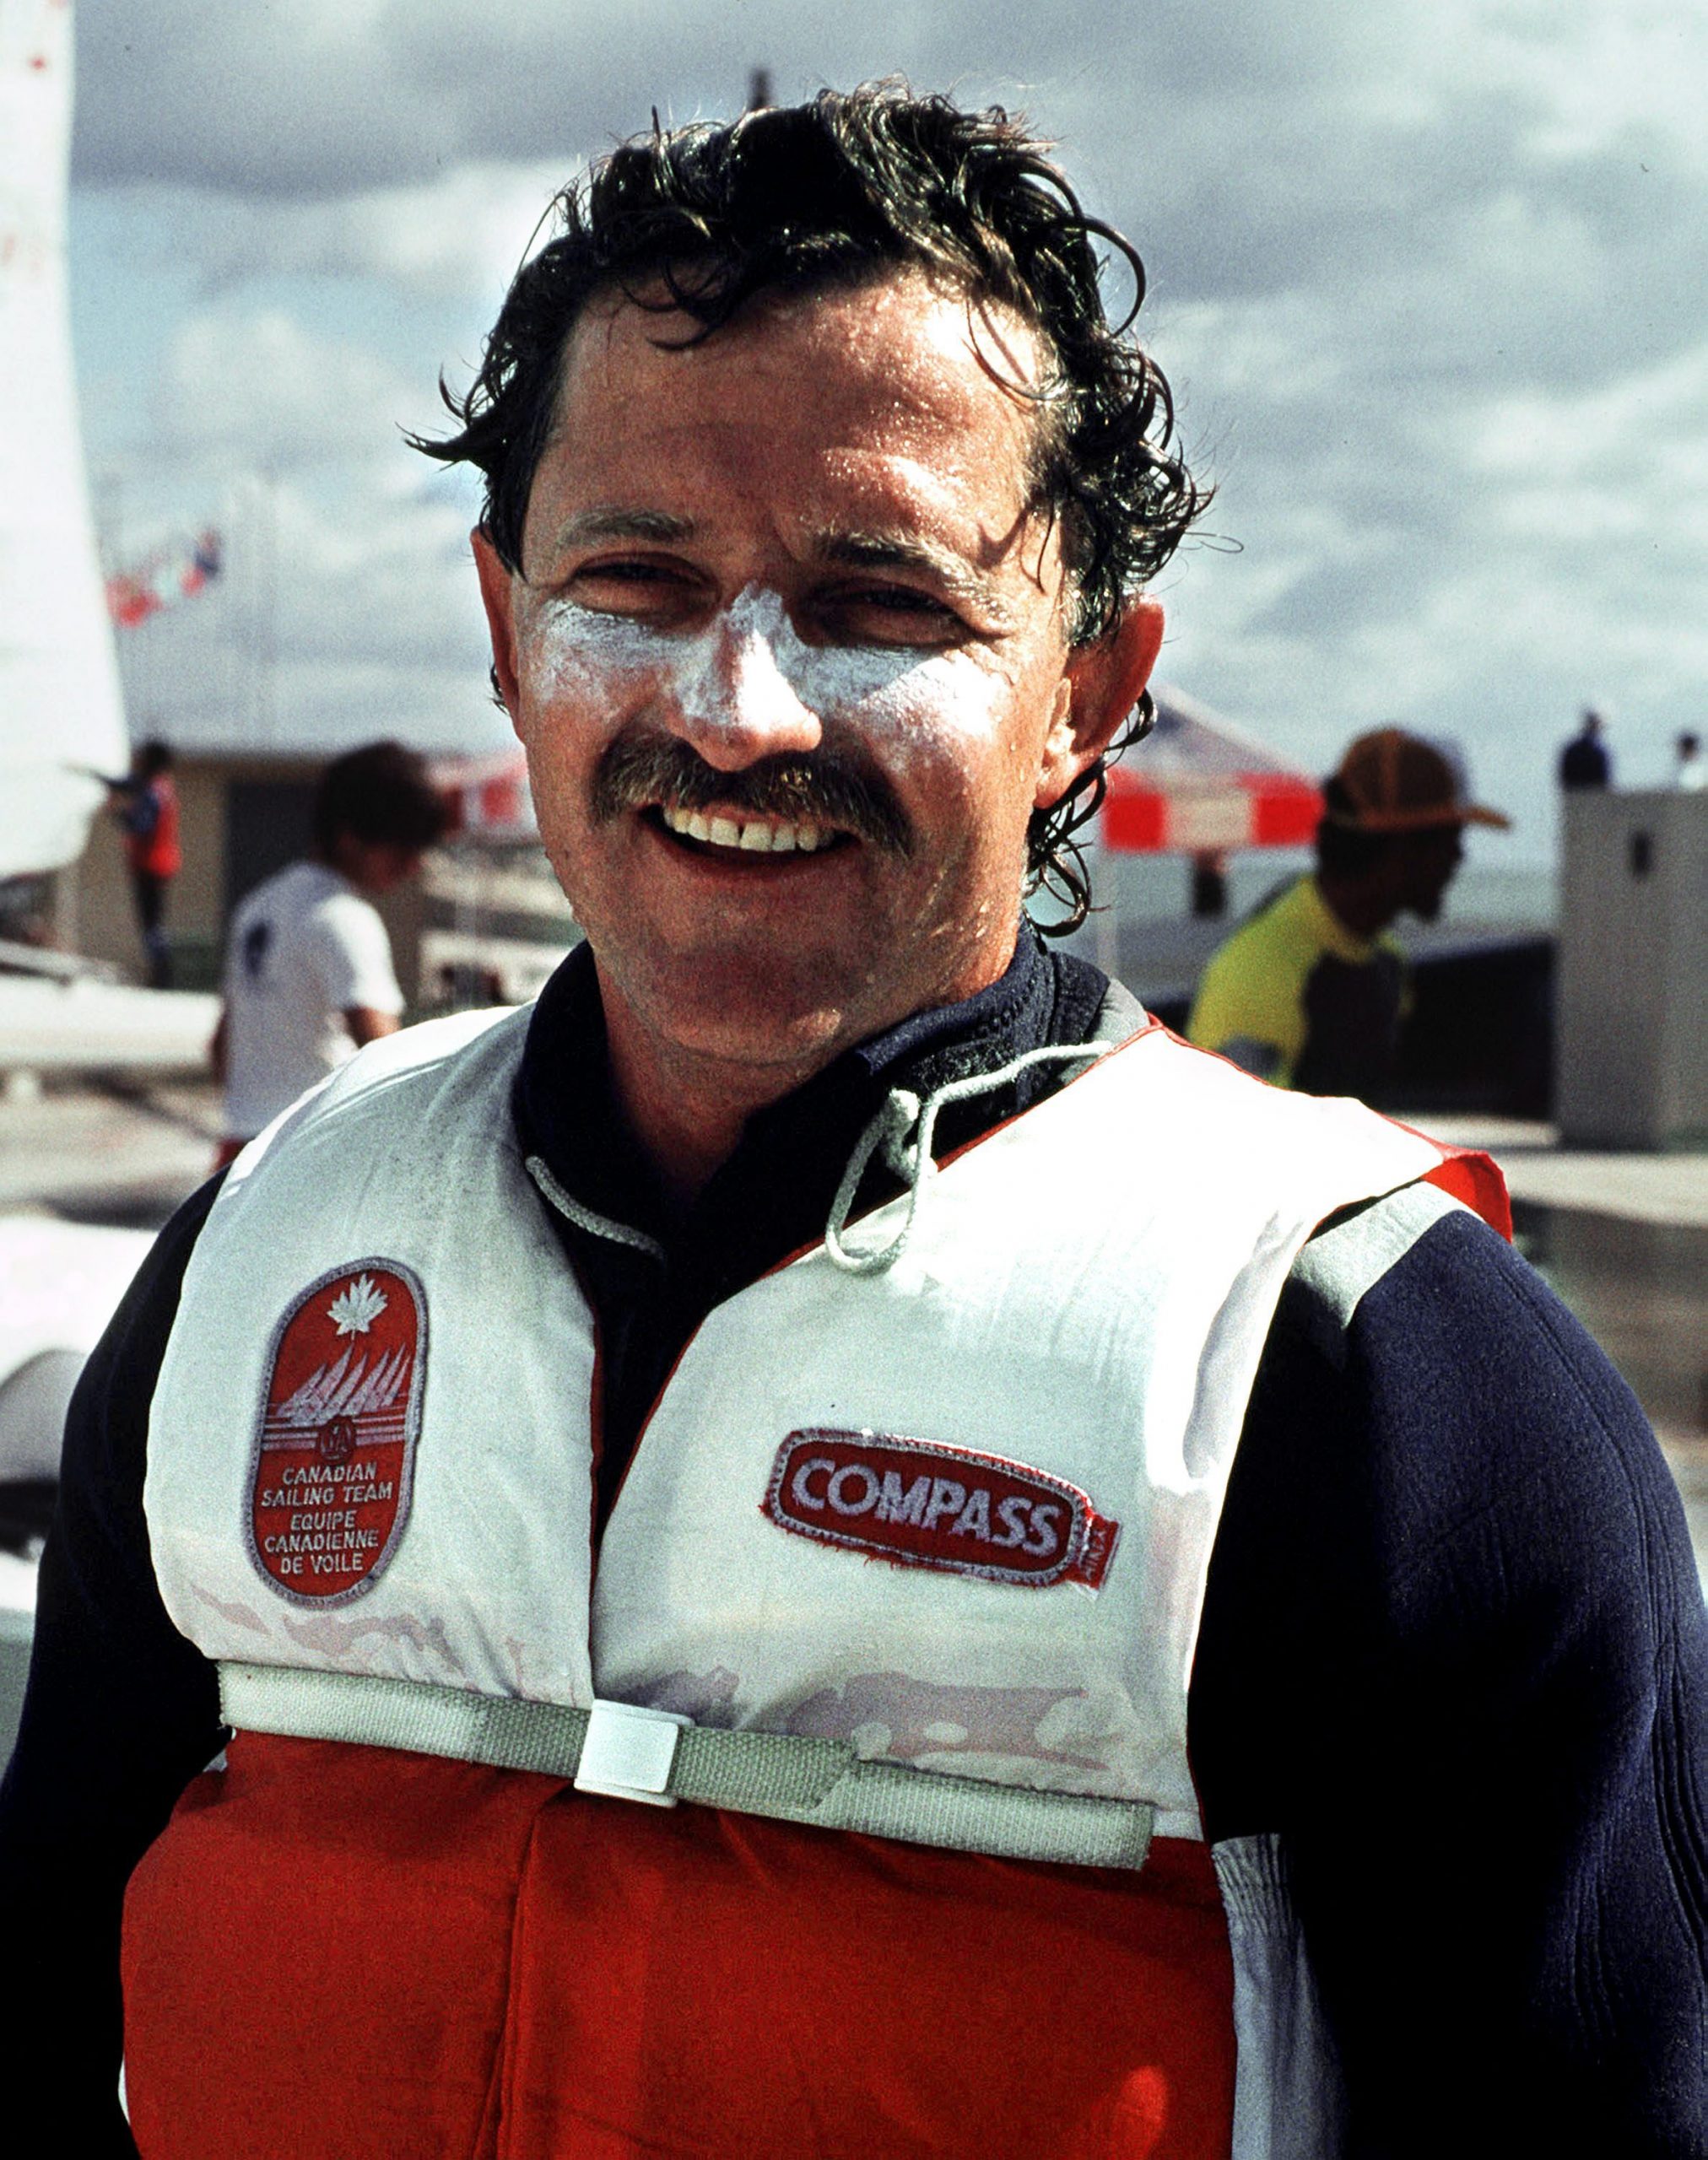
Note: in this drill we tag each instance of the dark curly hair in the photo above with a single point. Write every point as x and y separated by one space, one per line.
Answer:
380 792
797 199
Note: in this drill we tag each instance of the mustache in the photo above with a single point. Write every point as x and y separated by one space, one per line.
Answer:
821 787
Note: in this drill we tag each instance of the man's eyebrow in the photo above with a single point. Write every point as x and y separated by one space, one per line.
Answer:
616 521
888 551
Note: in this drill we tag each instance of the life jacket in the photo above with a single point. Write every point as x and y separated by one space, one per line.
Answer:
157 853
899 1595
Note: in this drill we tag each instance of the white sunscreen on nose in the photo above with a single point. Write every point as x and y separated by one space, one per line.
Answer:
750 669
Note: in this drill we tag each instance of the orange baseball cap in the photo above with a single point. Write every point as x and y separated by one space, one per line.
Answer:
1393 782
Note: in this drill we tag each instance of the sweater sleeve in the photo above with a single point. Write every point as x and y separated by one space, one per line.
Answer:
121 1713
1454 1653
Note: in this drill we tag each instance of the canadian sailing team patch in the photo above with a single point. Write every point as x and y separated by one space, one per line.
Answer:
938 1507
334 1458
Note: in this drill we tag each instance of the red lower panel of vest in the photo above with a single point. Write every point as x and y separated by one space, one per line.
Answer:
342 1953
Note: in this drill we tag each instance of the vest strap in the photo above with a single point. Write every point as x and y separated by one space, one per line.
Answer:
819 1782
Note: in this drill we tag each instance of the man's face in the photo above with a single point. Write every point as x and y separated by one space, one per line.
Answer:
375 867
1427 864
790 661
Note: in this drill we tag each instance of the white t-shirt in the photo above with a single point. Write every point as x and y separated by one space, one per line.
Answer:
304 949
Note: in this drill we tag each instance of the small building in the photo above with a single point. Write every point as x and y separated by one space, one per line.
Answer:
485 923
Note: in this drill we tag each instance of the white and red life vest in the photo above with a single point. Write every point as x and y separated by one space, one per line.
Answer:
956 1515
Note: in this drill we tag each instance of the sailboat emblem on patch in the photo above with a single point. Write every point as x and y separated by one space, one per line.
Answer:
335 1454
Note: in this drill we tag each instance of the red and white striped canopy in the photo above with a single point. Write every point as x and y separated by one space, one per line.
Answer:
486 792
1197 786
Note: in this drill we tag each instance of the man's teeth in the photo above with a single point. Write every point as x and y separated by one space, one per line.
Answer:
760 838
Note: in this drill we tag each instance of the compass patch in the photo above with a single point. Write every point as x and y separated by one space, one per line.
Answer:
931 1506
334 1458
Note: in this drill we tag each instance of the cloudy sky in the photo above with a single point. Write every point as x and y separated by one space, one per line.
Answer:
1429 283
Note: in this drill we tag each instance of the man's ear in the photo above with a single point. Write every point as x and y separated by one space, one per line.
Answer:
501 614
1101 684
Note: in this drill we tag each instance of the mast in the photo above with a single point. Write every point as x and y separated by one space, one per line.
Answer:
60 701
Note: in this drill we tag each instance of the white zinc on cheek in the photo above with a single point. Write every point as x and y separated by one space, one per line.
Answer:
894 695
750 666
582 653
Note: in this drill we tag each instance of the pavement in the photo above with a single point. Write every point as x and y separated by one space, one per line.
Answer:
1659 1188
1687 1456
124 1153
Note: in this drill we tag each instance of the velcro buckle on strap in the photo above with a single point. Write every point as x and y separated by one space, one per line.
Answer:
627 1752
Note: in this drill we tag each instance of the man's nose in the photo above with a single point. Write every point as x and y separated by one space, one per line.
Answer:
741 706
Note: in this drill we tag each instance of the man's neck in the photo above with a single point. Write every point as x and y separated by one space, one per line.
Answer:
688 1110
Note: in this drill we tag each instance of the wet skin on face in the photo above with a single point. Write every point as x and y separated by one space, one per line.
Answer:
790 659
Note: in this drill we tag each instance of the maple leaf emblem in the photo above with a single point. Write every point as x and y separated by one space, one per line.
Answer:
357 1307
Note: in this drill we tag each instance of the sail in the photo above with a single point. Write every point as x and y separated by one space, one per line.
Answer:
60 703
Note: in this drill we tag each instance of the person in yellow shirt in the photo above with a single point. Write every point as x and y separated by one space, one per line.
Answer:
1311 991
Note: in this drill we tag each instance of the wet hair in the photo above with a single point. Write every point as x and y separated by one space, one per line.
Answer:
380 792
847 188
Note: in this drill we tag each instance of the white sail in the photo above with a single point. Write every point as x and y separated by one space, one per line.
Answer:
60 703
308 1406
341 1390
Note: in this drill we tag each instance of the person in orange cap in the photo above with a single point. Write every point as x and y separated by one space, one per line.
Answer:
1309 992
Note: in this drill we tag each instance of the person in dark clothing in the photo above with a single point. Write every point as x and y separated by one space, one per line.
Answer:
146 803
1585 761
1311 991
1165 1635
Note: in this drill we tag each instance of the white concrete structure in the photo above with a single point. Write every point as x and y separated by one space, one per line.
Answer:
1631 1055
102 1027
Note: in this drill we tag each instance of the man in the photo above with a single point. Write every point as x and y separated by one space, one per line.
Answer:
1585 761
1310 993
878 1300
146 804
1690 769
308 968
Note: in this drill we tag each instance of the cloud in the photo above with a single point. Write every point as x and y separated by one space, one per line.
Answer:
337 619
260 389
347 606
460 233
1427 281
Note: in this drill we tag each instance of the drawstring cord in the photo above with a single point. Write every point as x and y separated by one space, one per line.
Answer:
586 1218
903 1113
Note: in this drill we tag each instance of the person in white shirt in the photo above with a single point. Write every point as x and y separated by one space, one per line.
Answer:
1691 772
309 976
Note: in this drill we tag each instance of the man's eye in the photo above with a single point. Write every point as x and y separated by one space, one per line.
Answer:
639 585
897 612
903 600
640 573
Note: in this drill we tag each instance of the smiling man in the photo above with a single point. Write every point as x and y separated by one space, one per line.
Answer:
790 642
828 1542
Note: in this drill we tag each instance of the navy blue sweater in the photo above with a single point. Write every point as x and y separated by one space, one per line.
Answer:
1453 1647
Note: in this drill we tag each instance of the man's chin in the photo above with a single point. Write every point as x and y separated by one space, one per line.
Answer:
788 1038
719 1009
